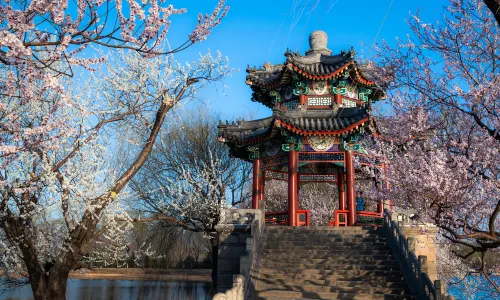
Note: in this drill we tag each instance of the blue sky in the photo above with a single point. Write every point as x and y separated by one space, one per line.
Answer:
255 32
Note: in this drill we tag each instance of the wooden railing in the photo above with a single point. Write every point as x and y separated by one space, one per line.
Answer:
280 218
363 218
413 268
369 218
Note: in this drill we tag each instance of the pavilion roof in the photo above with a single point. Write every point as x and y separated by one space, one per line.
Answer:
312 66
298 121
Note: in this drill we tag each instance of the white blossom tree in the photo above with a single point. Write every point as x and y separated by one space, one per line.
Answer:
190 178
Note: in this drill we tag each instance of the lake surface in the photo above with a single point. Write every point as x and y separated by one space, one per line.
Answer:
83 289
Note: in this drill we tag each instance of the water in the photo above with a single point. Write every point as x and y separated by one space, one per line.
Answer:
83 289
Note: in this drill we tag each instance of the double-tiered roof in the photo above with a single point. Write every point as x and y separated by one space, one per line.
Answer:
316 94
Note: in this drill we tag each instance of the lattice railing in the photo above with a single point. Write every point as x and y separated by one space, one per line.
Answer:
280 218
417 279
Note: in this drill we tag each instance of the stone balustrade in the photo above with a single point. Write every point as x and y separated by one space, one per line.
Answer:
413 243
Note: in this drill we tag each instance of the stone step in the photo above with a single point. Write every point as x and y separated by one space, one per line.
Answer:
342 265
282 295
329 263
343 242
349 249
324 228
337 253
326 240
384 254
327 233
331 266
388 277
333 289
353 271
332 283
319 243
341 258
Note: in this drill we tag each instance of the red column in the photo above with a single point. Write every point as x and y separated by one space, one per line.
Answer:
256 183
341 184
298 190
351 197
262 184
380 206
292 186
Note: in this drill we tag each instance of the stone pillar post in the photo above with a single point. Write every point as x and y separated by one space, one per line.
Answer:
351 197
292 186
341 186
256 183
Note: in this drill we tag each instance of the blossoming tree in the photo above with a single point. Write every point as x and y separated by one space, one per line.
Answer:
59 190
190 178
442 143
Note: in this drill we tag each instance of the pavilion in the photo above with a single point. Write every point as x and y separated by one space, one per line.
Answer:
321 109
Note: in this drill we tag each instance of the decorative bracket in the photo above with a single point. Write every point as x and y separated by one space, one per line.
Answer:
286 147
276 95
301 87
254 152
363 94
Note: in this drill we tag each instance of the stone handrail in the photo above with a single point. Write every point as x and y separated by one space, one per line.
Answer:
414 268
252 219
237 292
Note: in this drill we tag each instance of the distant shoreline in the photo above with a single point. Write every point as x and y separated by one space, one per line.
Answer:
199 275
202 275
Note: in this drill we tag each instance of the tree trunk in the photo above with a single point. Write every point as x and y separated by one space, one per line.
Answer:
494 7
51 286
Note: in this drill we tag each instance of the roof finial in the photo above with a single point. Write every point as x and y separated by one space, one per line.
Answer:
318 41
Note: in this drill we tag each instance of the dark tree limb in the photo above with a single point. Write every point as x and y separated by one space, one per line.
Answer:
494 7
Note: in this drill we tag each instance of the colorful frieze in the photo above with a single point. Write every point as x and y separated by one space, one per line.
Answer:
319 88
322 143
319 157
318 177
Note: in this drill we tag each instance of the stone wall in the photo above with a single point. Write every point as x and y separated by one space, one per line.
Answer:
234 242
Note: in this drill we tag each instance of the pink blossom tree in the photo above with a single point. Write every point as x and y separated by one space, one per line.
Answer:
59 187
442 143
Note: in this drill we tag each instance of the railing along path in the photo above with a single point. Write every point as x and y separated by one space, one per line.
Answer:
414 268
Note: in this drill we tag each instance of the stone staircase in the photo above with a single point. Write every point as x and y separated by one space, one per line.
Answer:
329 263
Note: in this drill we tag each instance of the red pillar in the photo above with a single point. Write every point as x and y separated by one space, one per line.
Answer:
292 186
380 206
256 183
341 184
351 197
